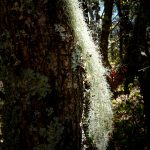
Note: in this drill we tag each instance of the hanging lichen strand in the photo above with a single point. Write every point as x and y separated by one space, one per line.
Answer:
100 114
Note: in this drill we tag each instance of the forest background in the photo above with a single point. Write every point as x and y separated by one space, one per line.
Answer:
120 29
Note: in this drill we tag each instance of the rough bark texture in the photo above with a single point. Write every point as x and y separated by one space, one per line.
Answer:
106 24
37 44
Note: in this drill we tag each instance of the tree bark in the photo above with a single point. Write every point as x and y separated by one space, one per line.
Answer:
125 27
44 97
106 24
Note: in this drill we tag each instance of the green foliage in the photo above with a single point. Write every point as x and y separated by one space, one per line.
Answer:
129 121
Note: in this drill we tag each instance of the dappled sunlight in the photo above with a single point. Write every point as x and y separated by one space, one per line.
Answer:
100 112
128 120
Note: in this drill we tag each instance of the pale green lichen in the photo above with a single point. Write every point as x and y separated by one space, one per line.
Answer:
100 114
76 58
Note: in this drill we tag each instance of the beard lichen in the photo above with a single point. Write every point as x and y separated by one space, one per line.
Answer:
100 111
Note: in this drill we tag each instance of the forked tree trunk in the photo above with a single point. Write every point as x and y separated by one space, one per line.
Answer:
43 104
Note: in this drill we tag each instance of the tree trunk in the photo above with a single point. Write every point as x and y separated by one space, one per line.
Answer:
137 58
125 27
144 74
43 104
106 24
